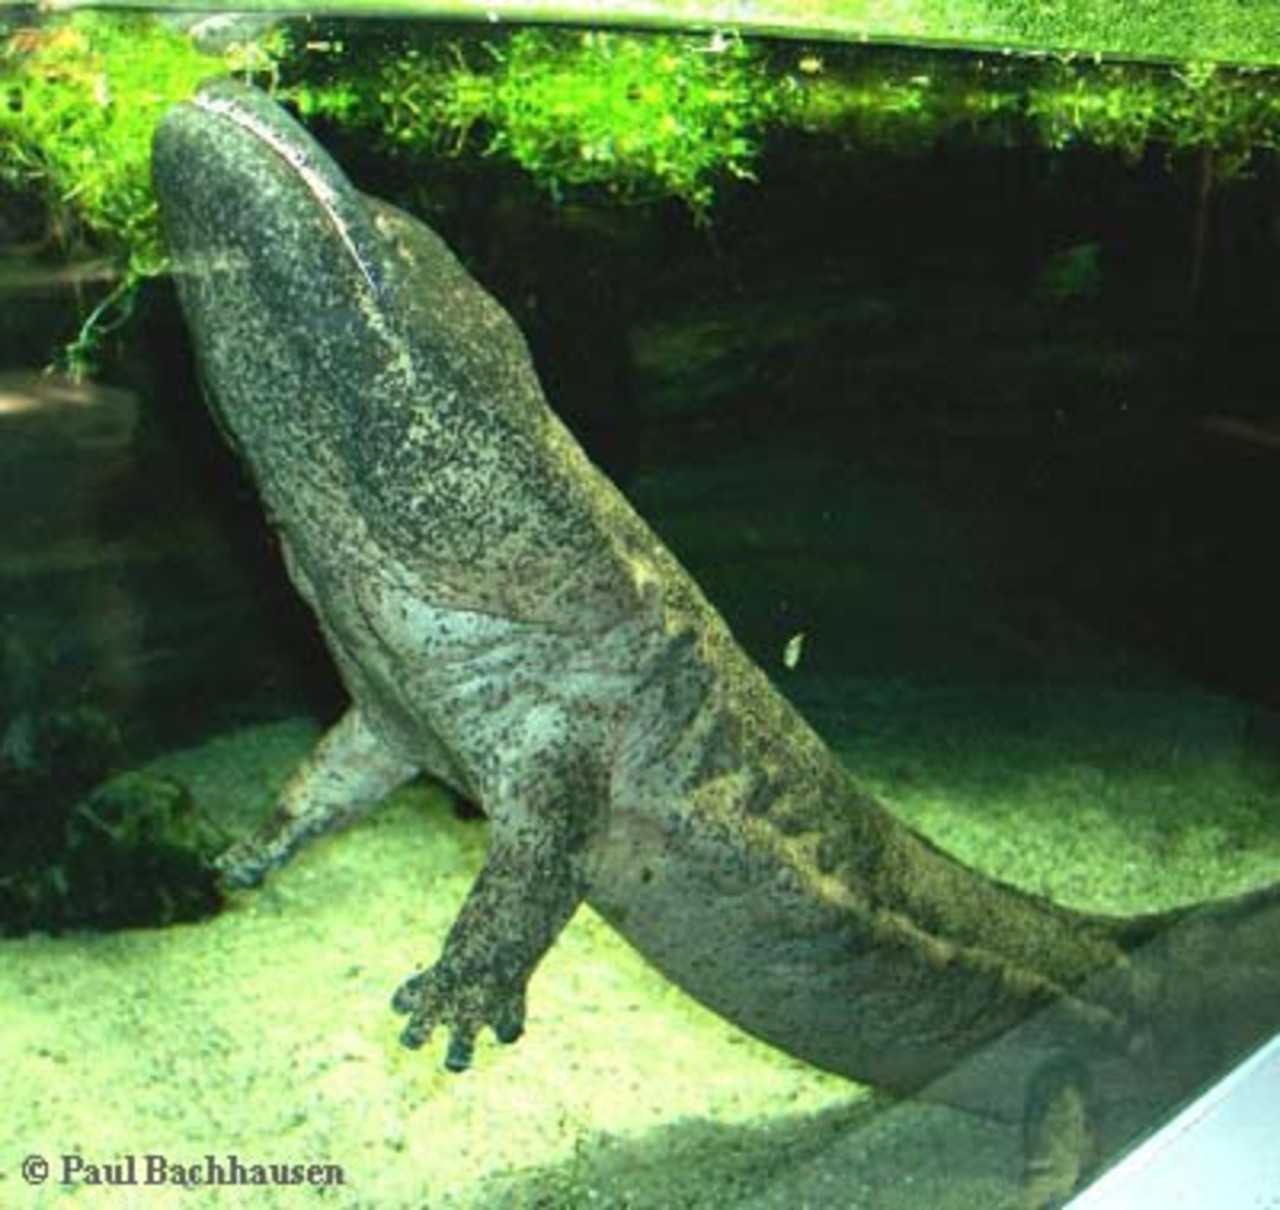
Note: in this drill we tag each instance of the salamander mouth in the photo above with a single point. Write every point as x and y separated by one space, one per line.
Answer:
287 283
309 163
233 170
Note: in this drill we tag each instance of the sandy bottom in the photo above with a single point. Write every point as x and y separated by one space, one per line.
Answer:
266 1033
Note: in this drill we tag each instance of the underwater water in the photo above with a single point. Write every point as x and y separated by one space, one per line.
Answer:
949 378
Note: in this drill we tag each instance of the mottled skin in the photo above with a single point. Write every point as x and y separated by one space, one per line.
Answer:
505 623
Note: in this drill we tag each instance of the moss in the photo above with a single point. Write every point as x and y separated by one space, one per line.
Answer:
906 101
637 116
79 100
1191 106
644 116
76 122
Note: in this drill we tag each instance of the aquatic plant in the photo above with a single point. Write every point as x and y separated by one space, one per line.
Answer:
635 117
79 100
640 116
903 101
1127 108
662 115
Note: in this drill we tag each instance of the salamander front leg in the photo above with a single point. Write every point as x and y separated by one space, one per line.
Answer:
531 883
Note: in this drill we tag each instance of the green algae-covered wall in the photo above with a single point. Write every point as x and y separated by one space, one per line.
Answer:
1224 31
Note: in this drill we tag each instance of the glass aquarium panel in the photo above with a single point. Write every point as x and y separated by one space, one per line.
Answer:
1216 1152
891 818
1224 31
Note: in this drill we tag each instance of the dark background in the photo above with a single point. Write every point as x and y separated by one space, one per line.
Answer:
865 402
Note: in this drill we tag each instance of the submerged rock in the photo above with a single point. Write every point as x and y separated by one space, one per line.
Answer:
135 852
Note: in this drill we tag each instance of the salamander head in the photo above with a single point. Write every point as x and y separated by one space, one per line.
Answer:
285 278
372 387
